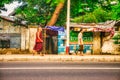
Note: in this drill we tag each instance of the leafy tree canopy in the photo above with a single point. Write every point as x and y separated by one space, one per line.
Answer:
3 2
98 11
87 11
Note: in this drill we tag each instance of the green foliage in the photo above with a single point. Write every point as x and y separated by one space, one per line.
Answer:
81 7
116 12
54 2
78 19
61 21
2 2
38 11
98 15
101 15
82 11
89 18
116 38
99 11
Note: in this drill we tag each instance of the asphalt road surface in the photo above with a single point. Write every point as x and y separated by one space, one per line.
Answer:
59 71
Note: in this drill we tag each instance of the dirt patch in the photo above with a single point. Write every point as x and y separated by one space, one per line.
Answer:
13 51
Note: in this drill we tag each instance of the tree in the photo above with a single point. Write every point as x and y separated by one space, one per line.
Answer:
36 12
53 12
116 12
41 11
100 11
3 2
56 13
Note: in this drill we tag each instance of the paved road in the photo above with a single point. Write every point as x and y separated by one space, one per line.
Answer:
59 71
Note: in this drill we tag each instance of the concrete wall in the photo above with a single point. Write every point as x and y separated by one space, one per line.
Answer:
8 27
109 46
11 32
32 35
23 36
26 36
96 43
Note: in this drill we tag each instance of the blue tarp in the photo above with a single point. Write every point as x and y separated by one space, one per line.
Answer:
54 28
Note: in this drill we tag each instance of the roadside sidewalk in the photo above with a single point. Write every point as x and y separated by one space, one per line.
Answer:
85 58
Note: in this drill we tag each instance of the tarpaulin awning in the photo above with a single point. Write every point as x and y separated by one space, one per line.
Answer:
51 32
55 28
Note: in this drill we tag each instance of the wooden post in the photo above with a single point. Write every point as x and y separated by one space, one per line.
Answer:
44 41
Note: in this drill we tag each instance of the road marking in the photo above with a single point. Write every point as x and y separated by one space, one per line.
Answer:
67 68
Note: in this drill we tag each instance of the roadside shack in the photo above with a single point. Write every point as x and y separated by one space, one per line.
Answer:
93 38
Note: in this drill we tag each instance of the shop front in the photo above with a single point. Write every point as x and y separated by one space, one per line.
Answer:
94 37
87 40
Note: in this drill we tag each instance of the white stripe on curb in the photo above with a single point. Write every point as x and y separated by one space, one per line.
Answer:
60 68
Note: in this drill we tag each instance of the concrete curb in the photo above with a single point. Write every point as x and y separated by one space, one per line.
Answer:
86 58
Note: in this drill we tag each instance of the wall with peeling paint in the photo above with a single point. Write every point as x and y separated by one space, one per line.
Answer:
20 37
112 46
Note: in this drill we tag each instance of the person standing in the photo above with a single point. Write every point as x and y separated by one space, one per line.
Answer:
80 41
38 41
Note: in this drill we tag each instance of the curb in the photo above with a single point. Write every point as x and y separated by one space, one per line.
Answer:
90 58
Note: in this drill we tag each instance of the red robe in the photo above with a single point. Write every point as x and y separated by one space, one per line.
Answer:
38 44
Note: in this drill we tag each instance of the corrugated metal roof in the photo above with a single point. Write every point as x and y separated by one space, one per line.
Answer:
107 24
10 19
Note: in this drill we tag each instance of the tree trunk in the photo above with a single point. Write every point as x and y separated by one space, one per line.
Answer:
55 14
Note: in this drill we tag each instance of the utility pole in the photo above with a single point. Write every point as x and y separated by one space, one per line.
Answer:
68 26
